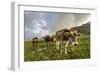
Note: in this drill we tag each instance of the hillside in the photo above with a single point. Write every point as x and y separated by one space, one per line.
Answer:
84 29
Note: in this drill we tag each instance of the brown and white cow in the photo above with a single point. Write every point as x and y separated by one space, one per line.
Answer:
34 42
66 37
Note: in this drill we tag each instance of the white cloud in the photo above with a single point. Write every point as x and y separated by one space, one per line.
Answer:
39 23
43 23
41 32
38 30
45 32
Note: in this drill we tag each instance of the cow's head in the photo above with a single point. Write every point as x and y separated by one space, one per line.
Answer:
72 36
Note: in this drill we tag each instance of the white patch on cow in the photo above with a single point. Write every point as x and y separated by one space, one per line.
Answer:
66 45
57 44
75 43
54 39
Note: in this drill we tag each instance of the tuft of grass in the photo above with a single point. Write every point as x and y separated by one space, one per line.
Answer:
82 51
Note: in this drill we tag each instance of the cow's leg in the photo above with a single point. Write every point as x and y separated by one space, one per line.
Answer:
36 44
45 44
61 46
32 45
61 52
66 45
57 44
33 48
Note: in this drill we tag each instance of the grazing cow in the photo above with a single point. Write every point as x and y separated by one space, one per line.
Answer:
48 39
66 37
34 42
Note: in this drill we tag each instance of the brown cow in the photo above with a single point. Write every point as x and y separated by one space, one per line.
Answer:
34 42
48 39
66 37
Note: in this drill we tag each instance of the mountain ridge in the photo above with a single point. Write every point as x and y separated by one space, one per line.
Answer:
84 29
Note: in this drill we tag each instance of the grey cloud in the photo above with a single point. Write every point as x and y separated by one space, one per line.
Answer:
36 23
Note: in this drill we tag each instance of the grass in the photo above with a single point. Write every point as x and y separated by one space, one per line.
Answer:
82 51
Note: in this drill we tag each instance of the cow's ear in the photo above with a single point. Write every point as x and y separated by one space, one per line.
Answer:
79 34
75 31
66 33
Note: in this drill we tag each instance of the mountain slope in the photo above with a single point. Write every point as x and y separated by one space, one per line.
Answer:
84 29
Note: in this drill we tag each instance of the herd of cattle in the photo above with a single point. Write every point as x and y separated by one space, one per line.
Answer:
62 38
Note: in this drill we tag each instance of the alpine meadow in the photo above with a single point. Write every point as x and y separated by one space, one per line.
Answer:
40 53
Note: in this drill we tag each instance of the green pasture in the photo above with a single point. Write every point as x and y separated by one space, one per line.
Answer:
82 51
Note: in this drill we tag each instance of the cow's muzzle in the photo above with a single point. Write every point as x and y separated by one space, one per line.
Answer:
75 43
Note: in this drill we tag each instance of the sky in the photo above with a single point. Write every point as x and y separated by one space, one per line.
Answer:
39 24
